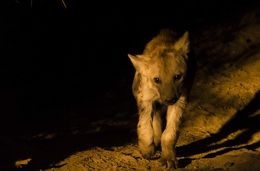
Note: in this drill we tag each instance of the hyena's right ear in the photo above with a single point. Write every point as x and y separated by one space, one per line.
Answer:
137 61
183 44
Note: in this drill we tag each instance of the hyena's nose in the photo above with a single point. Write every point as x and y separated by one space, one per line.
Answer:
171 101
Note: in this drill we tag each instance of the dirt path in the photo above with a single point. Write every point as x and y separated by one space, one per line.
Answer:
221 129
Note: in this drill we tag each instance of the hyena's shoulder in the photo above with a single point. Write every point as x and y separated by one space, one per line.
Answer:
163 40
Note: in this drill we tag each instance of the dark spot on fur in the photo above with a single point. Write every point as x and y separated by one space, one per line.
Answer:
142 109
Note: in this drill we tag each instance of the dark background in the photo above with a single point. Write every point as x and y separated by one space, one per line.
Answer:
58 64
54 57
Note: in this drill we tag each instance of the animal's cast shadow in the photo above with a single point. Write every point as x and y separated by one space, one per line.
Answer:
247 119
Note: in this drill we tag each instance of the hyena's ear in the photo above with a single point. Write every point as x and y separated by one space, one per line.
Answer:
136 61
183 44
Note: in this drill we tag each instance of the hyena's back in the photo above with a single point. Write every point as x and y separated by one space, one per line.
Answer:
164 40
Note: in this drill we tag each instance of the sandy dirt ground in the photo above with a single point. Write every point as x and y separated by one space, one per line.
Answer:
221 125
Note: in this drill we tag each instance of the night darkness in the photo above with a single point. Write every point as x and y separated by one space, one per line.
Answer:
61 65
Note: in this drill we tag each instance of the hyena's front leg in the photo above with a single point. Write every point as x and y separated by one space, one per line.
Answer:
170 134
157 127
145 130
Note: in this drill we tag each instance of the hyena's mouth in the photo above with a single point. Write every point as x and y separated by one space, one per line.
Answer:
157 105
171 101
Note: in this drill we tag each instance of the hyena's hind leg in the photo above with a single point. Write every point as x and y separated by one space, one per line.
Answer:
145 131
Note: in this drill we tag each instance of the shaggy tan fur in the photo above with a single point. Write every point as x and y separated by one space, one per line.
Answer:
159 86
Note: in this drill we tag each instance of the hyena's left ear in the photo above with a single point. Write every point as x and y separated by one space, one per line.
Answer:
136 61
183 44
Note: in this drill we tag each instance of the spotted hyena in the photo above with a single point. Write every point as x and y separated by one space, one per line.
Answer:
160 86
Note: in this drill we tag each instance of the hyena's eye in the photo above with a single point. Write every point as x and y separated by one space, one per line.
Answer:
156 80
177 77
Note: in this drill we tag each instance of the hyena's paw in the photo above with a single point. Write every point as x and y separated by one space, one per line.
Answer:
169 164
168 159
147 151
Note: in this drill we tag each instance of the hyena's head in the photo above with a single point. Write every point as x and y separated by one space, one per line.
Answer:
162 70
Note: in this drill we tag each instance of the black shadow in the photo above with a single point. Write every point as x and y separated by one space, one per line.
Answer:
246 119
